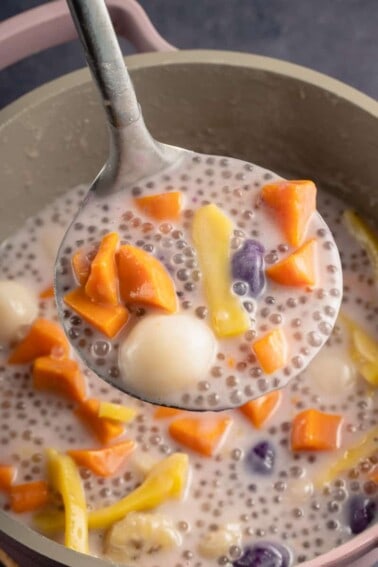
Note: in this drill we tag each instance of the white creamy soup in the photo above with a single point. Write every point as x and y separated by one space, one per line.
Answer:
274 483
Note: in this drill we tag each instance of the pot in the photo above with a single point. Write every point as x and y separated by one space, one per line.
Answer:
284 117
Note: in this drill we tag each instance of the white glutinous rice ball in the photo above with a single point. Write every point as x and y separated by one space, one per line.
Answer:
166 353
331 371
18 307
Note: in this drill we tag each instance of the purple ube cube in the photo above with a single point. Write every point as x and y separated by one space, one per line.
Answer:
248 266
264 554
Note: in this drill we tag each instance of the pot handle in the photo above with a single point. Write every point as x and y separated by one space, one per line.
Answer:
51 24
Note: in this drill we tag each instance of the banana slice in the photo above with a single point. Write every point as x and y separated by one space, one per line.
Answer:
217 543
138 534
142 462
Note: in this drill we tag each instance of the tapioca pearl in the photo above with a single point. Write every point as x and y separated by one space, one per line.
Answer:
336 292
226 174
333 525
271 257
251 358
248 214
165 228
236 243
232 381
264 312
325 328
255 372
262 384
236 397
240 288
296 322
314 339
329 245
249 306
127 216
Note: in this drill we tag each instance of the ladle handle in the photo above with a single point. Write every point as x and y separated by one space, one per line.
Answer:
105 60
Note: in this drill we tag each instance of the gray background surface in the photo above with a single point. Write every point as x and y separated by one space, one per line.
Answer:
336 37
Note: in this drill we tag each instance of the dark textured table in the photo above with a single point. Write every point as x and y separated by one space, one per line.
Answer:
336 37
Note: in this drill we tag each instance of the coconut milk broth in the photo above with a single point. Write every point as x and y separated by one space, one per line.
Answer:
283 507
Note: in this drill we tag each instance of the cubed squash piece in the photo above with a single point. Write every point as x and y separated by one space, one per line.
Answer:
294 203
374 475
298 269
47 293
105 461
102 282
201 434
104 429
81 266
62 376
313 430
44 338
163 412
258 411
28 496
108 319
271 350
7 476
143 279
162 206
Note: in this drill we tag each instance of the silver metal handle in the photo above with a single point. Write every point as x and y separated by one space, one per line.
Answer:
133 152
105 61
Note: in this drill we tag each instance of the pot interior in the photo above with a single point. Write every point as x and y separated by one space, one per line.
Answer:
55 137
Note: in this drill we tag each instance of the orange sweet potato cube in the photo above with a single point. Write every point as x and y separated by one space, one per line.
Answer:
143 279
271 350
163 412
62 376
105 461
201 434
7 476
102 283
313 430
108 319
298 269
263 407
81 267
28 496
104 428
293 202
44 338
163 206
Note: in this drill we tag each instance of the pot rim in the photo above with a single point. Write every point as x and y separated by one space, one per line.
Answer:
81 78
34 541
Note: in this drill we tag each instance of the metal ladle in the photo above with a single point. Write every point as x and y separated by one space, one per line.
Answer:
135 158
